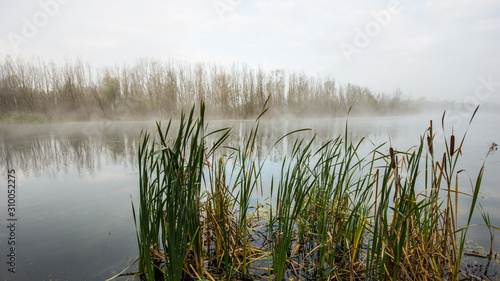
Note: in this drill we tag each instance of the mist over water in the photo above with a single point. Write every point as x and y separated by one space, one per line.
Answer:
76 181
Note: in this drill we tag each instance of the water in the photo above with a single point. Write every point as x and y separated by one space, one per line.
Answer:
75 183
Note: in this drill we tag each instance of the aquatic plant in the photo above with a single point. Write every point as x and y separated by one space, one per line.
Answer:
334 212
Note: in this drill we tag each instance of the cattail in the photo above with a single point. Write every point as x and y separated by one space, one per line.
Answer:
430 128
393 161
452 144
429 143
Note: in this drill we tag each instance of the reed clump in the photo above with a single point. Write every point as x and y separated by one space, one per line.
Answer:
334 213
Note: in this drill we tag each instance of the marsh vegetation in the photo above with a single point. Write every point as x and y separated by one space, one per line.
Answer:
335 212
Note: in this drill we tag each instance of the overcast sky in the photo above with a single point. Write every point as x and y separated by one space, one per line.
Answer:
436 48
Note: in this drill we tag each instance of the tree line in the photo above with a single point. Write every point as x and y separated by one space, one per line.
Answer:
153 88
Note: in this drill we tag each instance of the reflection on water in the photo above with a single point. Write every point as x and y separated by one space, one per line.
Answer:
76 181
51 149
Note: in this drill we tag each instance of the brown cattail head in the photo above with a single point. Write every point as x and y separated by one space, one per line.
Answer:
429 143
393 160
452 144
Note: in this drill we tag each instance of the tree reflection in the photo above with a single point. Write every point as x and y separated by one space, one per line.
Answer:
52 149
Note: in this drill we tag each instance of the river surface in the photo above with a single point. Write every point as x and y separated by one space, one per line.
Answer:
75 183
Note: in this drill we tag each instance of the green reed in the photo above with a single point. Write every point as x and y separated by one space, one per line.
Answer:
170 189
415 227
219 211
247 175
293 187
335 213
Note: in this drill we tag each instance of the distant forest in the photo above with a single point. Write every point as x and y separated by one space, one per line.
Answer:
76 91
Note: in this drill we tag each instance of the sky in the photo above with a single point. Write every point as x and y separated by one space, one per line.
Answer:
446 49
